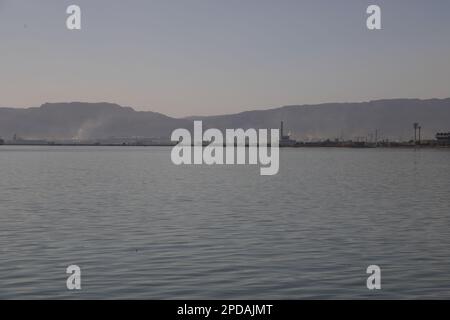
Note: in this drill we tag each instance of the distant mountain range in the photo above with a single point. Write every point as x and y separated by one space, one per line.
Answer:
393 119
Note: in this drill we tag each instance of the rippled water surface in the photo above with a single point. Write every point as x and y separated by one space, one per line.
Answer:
141 227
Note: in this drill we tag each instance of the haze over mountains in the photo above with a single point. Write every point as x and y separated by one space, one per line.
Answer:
83 121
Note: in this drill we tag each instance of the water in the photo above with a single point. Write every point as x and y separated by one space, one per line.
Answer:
141 227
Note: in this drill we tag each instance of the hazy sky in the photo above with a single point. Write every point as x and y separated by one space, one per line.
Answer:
208 57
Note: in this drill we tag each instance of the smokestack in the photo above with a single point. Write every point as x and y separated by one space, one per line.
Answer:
281 130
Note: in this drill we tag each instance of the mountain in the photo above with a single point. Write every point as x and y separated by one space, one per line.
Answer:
392 118
84 121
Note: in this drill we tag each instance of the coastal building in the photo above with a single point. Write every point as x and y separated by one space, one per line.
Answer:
443 137
26 142
285 140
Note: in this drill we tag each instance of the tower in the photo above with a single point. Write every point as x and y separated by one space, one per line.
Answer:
416 126
420 133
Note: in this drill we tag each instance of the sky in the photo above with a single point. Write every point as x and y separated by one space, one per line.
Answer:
207 57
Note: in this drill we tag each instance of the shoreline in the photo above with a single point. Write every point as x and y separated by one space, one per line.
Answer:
300 145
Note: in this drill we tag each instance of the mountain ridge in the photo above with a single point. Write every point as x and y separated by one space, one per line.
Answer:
392 118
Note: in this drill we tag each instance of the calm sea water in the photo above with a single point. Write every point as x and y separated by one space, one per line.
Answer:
141 227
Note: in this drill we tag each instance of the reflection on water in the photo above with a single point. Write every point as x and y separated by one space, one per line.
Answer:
141 227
